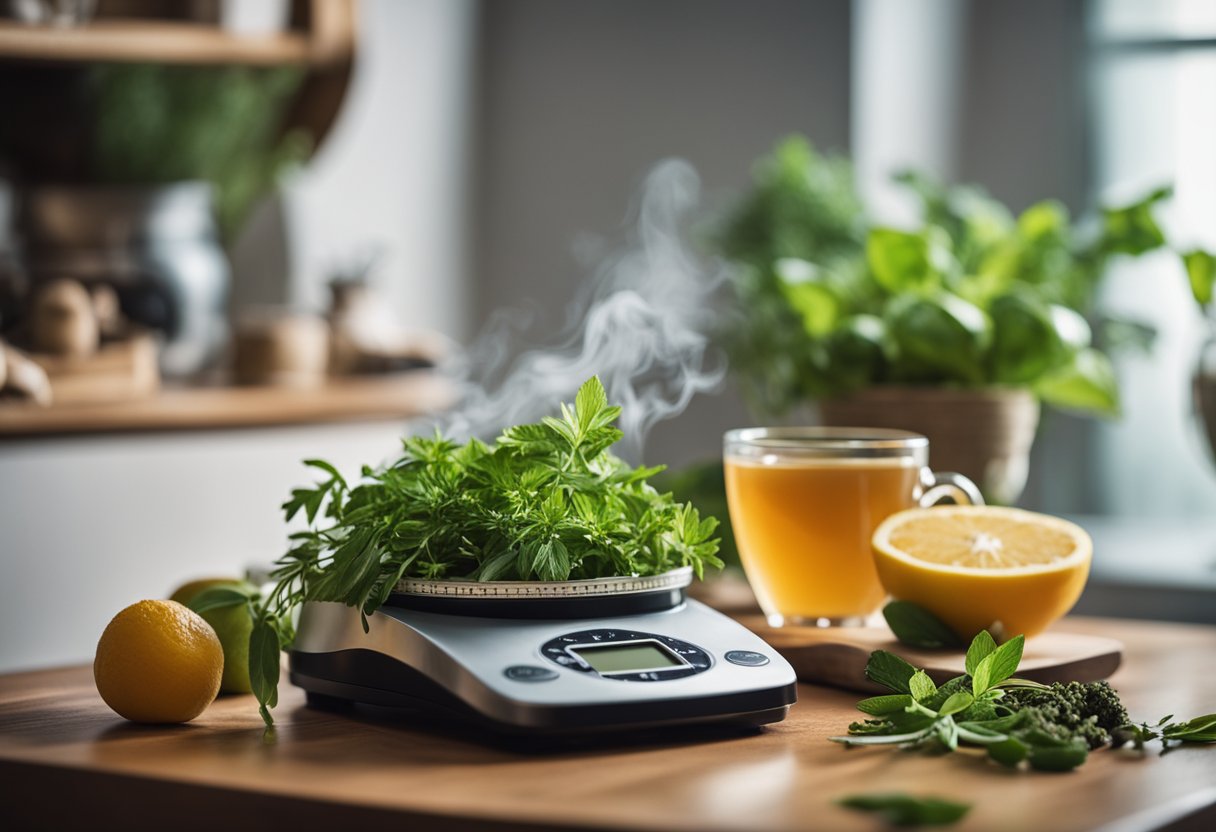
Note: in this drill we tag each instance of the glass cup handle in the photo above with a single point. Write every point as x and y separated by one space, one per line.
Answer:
939 485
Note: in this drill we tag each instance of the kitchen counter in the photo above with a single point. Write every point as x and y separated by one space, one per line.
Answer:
66 760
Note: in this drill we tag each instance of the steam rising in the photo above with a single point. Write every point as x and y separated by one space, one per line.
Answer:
642 323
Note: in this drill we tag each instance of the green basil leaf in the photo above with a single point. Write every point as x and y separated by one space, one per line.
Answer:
1086 383
981 678
264 667
939 335
960 701
903 261
808 294
982 645
914 625
1201 271
907 810
1005 660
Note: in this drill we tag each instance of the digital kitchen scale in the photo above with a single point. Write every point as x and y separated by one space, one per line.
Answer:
545 657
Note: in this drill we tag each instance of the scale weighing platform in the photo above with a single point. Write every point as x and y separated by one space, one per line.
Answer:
537 657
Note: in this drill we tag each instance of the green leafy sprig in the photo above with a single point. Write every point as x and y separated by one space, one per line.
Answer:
963 710
901 809
1051 728
830 302
547 501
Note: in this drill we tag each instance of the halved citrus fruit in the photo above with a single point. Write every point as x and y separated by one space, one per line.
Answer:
984 567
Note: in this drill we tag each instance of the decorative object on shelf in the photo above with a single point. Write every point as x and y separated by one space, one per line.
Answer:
280 348
366 338
73 363
21 378
835 309
157 248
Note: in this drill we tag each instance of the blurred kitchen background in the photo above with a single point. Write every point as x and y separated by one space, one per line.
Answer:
391 173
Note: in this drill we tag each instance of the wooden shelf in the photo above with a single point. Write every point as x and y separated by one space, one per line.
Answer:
153 42
208 408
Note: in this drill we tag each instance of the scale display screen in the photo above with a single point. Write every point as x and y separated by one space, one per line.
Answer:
627 658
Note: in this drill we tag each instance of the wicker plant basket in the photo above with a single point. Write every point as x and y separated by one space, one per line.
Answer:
983 434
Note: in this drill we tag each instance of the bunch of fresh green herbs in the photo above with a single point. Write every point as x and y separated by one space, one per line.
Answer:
547 501
830 303
1052 728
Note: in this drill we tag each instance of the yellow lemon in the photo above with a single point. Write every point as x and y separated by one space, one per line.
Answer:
984 567
158 662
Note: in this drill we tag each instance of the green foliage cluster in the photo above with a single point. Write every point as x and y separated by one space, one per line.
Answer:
830 303
160 124
1051 728
547 501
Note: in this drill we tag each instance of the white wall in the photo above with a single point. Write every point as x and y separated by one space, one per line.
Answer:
90 525
391 175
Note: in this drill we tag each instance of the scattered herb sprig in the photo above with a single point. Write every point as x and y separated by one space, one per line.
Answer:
547 502
1050 727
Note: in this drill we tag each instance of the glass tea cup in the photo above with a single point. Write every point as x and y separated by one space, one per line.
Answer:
804 503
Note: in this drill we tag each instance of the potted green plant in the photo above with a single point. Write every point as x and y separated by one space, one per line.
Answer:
957 329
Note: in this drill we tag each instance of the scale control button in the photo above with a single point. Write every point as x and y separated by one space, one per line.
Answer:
747 658
529 673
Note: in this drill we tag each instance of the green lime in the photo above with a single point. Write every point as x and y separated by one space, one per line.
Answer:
232 624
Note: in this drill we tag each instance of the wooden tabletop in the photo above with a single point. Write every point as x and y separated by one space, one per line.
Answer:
65 759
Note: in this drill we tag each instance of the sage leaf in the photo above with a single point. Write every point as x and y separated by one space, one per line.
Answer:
915 626
921 686
890 671
883 705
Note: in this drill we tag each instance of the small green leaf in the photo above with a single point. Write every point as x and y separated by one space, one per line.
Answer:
890 671
1005 660
981 646
216 597
908 810
916 626
1062 757
1199 729
1087 384
589 401
960 701
1009 752
883 705
264 667
1201 271
981 677
808 294
903 261
921 686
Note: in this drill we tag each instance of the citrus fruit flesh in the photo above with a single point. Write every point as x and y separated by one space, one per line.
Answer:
984 567
158 662
232 624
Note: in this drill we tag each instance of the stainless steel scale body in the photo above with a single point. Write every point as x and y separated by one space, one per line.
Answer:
578 656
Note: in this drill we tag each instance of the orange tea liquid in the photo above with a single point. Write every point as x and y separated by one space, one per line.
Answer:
803 528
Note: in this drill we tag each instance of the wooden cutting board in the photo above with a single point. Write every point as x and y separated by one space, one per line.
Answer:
837 656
